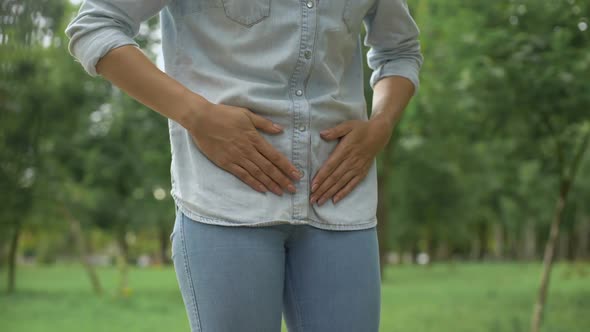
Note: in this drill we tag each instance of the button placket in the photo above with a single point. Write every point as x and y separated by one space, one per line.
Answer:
301 116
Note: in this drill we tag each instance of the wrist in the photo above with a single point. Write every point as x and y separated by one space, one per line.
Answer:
194 108
381 130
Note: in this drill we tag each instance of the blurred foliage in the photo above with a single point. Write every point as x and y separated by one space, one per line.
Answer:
502 109
476 161
71 144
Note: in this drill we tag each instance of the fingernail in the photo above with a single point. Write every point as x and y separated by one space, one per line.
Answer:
324 132
291 188
312 199
278 126
335 200
314 187
321 201
296 174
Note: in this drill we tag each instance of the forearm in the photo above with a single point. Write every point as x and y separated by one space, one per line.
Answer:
391 96
128 68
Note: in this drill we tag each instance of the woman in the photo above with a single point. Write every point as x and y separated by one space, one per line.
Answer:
273 155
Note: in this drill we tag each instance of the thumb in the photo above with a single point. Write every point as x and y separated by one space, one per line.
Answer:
264 124
338 131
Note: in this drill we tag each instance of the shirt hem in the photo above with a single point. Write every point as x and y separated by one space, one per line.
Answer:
263 223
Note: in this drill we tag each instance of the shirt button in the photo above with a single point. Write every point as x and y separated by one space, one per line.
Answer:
302 128
299 92
307 54
309 4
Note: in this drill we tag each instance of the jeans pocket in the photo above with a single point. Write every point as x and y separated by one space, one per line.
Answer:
247 12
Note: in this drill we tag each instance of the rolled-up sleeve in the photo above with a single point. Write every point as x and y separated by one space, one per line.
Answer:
392 38
102 25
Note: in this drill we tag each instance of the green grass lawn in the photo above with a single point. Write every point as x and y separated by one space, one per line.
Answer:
442 298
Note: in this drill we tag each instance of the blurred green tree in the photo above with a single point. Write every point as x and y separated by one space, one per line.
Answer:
505 110
76 152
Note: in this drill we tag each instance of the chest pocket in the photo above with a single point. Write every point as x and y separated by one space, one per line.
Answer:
354 12
246 12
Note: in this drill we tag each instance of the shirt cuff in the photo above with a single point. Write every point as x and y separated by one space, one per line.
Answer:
91 47
407 68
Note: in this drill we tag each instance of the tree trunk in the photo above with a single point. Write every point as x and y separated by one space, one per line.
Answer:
82 247
122 262
78 234
12 252
565 185
548 260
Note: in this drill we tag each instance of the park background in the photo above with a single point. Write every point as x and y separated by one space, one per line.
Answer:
484 188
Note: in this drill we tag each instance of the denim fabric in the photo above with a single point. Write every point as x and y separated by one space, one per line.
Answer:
245 278
295 62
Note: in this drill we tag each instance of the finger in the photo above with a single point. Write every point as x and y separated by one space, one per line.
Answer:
340 130
277 158
330 181
243 175
347 188
272 171
263 123
337 186
335 159
260 175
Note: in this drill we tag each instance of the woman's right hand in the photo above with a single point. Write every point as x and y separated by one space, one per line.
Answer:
228 136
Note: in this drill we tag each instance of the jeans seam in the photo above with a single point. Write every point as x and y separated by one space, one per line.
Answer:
298 315
189 276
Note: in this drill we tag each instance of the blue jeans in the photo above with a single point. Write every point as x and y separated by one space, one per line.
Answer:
242 279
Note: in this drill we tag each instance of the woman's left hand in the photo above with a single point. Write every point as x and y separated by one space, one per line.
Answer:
351 160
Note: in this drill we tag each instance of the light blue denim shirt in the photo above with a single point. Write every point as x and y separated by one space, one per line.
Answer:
295 62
